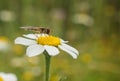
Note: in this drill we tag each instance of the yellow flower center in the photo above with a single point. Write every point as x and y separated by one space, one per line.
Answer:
48 40
1 79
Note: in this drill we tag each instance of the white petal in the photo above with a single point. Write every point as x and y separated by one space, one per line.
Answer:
31 36
70 48
2 73
10 77
24 41
51 50
34 50
68 51
64 41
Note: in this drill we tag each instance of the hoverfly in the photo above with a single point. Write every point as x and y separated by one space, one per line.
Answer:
37 29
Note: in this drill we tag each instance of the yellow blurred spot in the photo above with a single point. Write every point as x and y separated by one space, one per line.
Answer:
18 49
86 58
55 78
28 76
1 79
2 38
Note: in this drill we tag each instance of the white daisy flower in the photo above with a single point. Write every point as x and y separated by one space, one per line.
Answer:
38 43
7 77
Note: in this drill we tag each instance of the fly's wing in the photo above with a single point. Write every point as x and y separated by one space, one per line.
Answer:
37 29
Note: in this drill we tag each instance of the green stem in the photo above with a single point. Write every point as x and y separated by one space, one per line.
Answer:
47 68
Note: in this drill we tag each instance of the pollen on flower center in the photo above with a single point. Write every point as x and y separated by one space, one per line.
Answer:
49 40
1 79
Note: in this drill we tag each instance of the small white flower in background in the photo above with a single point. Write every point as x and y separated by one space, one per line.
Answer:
7 16
7 77
38 43
4 44
84 19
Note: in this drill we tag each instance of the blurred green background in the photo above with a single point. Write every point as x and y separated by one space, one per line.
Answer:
91 26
